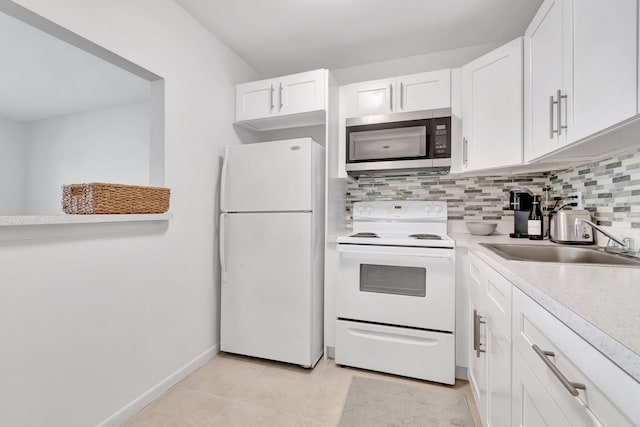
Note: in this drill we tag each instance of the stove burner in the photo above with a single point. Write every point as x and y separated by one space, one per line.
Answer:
426 236
365 235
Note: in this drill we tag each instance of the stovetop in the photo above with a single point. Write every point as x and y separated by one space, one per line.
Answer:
399 223
397 239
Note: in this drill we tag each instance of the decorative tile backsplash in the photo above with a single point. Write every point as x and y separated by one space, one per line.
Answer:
610 190
468 198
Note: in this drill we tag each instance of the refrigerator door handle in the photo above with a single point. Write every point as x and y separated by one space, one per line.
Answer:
221 250
223 179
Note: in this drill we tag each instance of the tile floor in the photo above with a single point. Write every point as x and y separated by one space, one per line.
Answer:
240 391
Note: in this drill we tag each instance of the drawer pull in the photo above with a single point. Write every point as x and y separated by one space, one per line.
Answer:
477 320
570 386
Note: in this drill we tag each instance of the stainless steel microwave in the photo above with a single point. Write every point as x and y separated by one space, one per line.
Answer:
399 142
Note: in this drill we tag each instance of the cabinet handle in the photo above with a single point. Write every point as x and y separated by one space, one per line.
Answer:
272 104
552 131
465 149
280 96
560 98
476 333
391 97
401 95
570 386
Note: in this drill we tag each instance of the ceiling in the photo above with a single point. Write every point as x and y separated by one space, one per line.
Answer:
43 77
285 36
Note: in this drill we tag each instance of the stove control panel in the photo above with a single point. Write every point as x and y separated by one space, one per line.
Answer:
400 210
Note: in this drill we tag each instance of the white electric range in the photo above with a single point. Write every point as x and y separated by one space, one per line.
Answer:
396 291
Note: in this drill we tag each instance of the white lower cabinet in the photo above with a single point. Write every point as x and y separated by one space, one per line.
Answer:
499 375
477 364
490 360
587 388
532 404
527 368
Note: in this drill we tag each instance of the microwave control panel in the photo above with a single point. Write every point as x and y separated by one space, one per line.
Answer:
441 138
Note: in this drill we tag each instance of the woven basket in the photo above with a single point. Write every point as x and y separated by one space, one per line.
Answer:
100 198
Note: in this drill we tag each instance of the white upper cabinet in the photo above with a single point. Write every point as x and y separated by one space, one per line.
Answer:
492 109
580 72
288 101
299 93
600 70
255 100
424 91
415 92
368 98
543 79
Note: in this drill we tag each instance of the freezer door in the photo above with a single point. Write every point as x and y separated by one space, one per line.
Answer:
267 176
266 288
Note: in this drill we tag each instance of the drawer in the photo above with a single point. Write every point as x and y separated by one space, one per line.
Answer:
409 352
532 404
610 397
498 298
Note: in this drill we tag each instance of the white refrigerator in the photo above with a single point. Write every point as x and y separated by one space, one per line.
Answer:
272 250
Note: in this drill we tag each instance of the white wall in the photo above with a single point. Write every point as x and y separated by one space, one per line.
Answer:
12 164
315 132
89 324
453 58
109 145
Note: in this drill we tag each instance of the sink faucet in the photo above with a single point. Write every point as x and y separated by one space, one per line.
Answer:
625 244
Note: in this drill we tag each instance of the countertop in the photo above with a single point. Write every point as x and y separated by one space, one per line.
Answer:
599 303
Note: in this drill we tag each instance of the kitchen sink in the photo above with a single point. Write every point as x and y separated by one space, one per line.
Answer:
561 254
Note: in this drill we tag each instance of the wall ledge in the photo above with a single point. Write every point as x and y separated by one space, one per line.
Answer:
9 221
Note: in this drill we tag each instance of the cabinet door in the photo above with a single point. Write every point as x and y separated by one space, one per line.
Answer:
608 397
477 371
543 78
477 363
498 351
302 92
531 403
424 91
600 65
374 97
492 108
255 100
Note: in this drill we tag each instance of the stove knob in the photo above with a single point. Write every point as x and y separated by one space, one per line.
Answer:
360 208
428 209
369 209
438 209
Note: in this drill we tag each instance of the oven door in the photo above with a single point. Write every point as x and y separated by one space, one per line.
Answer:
402 286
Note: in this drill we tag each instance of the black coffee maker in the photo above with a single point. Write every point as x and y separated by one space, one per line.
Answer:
520 202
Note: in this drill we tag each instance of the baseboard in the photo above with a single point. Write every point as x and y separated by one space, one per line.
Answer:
461 373
156 391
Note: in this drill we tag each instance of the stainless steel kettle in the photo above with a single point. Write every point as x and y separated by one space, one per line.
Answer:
562 228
